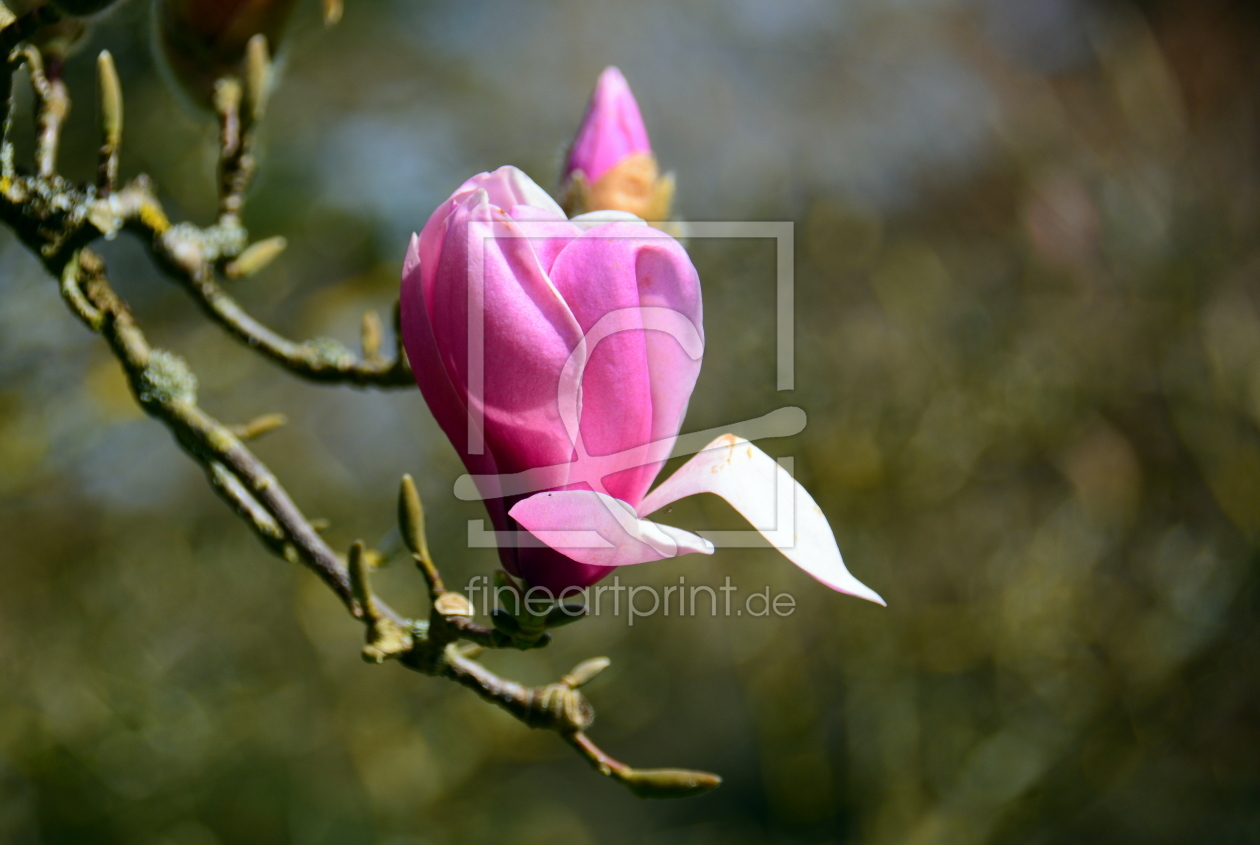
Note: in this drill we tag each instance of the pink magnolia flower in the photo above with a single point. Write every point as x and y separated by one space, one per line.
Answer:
610 165
559 357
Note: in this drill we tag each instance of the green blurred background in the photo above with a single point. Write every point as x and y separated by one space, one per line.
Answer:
1027 338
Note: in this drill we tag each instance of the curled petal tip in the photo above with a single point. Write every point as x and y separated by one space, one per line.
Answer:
765 494
861 591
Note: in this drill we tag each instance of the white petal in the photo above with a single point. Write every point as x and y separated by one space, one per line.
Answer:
597 529
765 494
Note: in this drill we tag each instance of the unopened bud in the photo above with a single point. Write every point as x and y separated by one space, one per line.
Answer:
585 672
668 783
255 257
257 79
411 518
110 104
259 426
109 93
610 166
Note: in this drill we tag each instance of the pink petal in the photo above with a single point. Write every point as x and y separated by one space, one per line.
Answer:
756 486
599 530
443 398
611 130
510 186
636 382
488 272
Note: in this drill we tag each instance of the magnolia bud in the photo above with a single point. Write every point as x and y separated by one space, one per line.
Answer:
202 41
610 165
668 783
411 518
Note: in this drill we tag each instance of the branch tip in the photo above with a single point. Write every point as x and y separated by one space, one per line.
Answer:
259 426
667 783
257 79
255 257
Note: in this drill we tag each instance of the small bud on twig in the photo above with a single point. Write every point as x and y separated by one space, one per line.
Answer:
259 426
109 96
585 672
667 783
370 333
255 257
257 79
411 518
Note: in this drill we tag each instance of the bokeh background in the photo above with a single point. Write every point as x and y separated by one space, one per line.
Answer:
1028 341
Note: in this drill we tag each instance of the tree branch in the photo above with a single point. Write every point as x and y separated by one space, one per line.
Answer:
58 222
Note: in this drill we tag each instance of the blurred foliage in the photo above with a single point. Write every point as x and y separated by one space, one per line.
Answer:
1028 340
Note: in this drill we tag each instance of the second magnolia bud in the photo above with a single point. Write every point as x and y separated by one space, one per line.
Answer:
610 166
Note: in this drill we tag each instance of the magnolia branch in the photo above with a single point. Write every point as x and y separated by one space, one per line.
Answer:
58 222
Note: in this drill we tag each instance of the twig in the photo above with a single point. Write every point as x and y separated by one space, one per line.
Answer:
52 106
165 389
188 255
